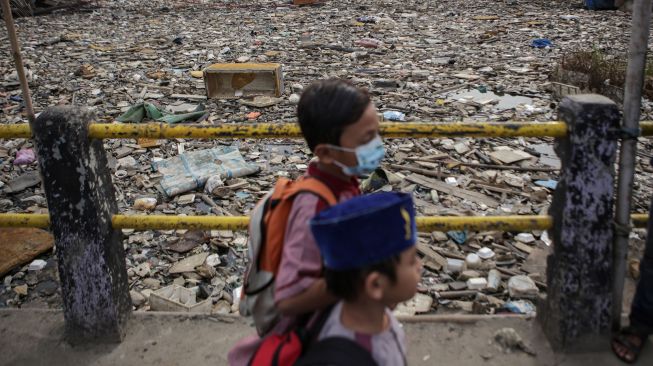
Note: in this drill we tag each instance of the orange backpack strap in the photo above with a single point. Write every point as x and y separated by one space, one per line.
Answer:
315 186
278 211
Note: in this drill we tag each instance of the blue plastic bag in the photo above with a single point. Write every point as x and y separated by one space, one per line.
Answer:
460 237
541 43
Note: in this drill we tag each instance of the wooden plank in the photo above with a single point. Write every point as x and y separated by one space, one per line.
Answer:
454 191
432 256
21 245
523 247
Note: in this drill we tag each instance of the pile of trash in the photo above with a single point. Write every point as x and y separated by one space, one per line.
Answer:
421 61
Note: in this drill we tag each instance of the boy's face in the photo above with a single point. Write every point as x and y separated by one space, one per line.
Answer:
408 271
359 133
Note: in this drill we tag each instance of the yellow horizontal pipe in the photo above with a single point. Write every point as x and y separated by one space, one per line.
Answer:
483 223
164 222
16 131
291 130
167 131
424 224
25 220
639 220
646 128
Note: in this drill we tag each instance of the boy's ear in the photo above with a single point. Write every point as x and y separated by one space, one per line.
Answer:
375 285
324 153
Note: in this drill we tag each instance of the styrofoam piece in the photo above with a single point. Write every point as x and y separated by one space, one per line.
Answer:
485 253
525 238
472 260
451 180
178 298
455 265
37 265
493 280
477 283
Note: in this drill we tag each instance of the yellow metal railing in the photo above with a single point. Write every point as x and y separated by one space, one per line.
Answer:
424 224
291 130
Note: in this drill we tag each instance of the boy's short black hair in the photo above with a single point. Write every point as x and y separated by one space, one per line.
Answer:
348 284
327 107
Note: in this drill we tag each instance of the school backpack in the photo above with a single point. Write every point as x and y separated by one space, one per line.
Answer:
336 351
299 347
267 229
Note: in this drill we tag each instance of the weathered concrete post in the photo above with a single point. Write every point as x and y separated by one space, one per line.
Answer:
577 310
81 201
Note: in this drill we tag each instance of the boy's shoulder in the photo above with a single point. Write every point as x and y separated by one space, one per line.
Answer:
334 327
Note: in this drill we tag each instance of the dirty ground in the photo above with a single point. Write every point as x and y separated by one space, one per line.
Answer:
33 337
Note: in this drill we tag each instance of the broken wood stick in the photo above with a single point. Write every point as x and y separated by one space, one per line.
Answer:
539 284
456 294
428 158
500 190
18 59
440 186
447 254
432 255
417 170
504 167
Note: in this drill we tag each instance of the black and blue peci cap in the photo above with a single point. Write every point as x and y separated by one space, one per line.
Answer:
365 230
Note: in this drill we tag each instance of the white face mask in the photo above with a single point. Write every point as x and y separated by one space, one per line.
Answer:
369 157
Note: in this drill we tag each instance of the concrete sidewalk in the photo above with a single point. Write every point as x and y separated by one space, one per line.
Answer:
34 337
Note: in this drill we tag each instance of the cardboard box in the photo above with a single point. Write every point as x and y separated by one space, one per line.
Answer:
177 298
232 81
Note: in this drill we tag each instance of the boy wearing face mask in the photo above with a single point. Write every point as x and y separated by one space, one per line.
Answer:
341 127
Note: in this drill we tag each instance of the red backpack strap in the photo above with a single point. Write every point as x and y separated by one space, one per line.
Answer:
315 186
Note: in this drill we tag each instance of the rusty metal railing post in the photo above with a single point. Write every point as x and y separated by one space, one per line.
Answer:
81 201
627 156
576 311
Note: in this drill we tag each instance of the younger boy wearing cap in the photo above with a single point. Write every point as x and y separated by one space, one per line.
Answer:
371 264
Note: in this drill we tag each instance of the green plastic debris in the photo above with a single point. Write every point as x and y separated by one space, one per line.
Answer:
140 111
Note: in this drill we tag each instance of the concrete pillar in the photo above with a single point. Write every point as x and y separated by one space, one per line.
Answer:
576 312
81 201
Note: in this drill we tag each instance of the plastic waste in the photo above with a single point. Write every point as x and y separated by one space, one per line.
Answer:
460 237
367 19
369 43
139 111
549 183
394 116
25 157
191 170
37 265
520 307
541 43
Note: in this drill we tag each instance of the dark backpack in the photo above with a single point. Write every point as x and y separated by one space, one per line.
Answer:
299 347
336 351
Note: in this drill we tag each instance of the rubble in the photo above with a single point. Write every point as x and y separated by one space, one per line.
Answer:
177 298
509 340
420 61
522 287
